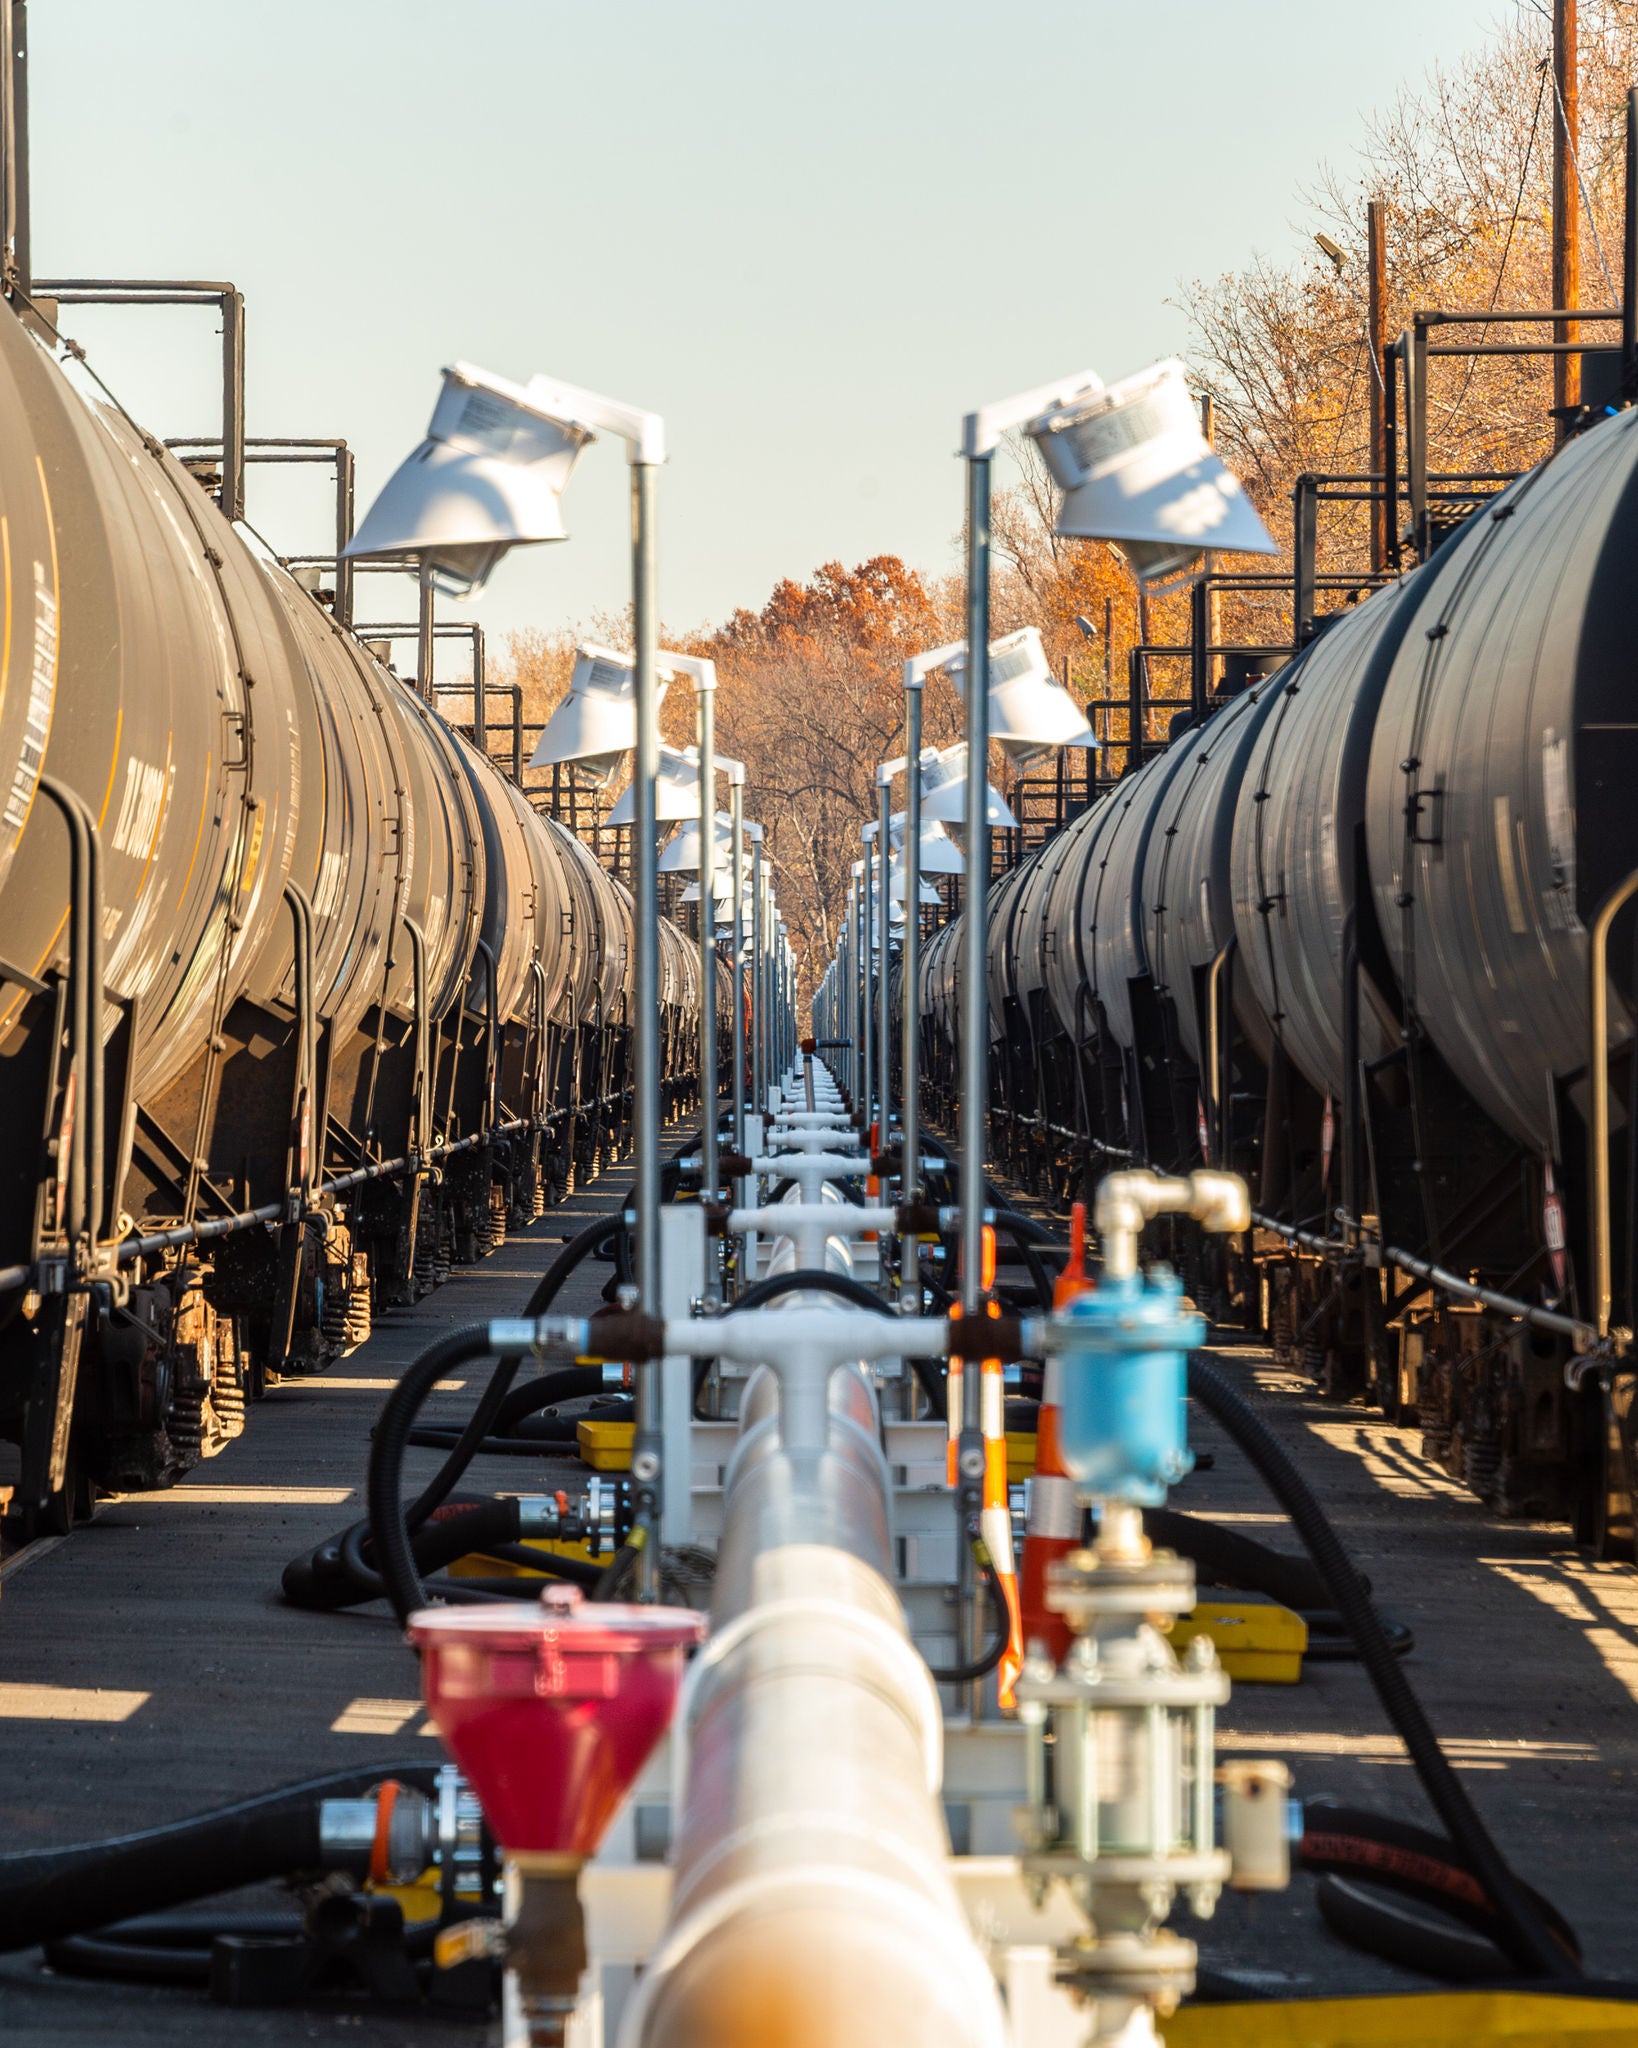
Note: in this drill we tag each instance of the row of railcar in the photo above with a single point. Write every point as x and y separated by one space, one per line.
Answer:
300 999
1339 936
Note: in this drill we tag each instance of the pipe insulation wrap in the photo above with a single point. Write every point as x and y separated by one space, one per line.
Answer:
812 1904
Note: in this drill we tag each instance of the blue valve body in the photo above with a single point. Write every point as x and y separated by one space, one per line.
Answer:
1124 1351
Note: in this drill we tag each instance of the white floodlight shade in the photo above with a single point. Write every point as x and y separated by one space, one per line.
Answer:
1136 471
682 854
1030 710
944 792
722 889
676 790
939 854
925 892
487 477
596 723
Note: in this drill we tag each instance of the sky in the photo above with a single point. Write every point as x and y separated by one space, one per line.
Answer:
813 237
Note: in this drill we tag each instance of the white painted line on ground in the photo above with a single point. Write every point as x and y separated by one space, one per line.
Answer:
1471 1753
67 1703
326 1379
379 1717
236 1497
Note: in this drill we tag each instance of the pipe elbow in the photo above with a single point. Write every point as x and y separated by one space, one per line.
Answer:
1221 1201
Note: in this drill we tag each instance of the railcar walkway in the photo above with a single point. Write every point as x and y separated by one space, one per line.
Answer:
1526 1660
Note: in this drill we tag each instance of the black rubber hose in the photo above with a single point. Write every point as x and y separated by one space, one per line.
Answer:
163 1948
582 1245
1329 1641
341 1572
1025 1230
845 1288
1235 1560
482 1423
1401 1934
1376 1849
176 1948
545 1440
1000 1621
611 1580
1528 1940
574 1383
46 1894
391 1524
133 1962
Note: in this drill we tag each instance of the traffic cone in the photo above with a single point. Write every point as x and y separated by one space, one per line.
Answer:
1054 1513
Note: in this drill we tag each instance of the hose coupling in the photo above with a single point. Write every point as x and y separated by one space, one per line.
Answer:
554 1336
389 1837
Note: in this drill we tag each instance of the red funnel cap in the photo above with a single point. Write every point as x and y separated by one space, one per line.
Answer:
551 1709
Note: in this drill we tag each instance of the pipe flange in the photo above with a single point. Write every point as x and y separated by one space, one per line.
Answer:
1187 1867
1089 1584
1159 1967
1205 1687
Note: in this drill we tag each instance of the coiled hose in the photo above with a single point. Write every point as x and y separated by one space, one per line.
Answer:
170 1948
46 1894
1521 1930
1348 1849
348 1569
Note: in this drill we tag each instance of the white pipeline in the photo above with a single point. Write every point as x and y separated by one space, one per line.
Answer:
812 1906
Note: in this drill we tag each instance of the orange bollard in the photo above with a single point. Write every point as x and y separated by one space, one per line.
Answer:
1054 1513
995 1516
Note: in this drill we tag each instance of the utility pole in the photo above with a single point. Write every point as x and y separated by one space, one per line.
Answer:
1376 277
1212 620
1566 206
15 265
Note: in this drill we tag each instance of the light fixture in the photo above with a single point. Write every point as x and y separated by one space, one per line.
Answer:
682 853
1334 252
1030 710
596 723
943 791
488 475
938 853
676 789
925 892
1136 471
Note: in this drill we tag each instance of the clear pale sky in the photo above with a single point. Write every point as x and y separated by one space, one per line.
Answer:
811 236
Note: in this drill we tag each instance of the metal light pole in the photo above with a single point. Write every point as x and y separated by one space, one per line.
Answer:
736 854
884 1055
705 686
974 989
855 1004
866 955
910 1021
758 1018
645 1459
426 632
981 434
